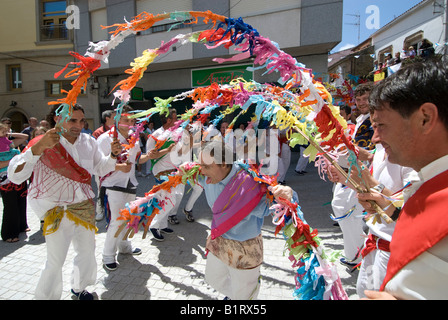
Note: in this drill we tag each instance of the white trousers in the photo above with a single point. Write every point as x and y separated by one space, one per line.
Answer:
284 161
234 283
372 272
303 161
117 201
352 227
196 192
84 271
172 204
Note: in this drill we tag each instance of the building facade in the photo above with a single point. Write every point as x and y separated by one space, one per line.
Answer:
426 20
352 64
306 29
34 45
45 31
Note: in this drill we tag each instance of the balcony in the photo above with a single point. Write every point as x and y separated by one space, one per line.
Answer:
54 32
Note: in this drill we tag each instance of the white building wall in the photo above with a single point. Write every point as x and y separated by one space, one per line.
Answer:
249 8
163 6
421 19
153 41
98 18
276 25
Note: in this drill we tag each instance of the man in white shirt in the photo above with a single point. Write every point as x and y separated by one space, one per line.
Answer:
120 187
363 127
62 162
344 199
164 152
386 178
411 122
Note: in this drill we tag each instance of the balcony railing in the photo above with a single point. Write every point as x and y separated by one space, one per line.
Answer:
54 32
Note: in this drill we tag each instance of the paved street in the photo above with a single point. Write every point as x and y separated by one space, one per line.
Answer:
174 269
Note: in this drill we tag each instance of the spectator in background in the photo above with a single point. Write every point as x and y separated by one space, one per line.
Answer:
426 49
86 129
389 60
397 59
411 52
32 124
7 121
38 131
107 119
13 196
44 123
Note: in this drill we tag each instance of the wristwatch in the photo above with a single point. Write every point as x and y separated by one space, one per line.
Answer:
396 214
379 188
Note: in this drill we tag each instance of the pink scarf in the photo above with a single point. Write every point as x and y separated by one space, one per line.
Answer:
240 196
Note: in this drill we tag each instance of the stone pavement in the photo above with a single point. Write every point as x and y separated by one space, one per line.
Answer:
174 269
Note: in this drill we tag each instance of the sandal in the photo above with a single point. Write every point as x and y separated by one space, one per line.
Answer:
12 240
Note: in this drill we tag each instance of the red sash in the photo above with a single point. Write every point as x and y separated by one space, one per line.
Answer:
422 223
373 243
59 160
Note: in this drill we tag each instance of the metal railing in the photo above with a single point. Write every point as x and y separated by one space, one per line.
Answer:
54 32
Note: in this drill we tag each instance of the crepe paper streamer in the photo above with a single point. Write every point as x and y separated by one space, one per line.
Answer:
344 94
316 278
300 102
141 211
64 114
85 67
238 33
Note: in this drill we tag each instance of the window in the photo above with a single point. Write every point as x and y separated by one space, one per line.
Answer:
52 20
14 77
384 52
56 88
166 27
413 40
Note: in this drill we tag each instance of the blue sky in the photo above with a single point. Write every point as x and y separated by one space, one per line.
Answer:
383 12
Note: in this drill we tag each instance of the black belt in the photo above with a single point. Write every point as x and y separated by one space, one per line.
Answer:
130 188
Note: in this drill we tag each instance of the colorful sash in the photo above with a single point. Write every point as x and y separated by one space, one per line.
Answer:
82 213
363 136
60 161
240 196
57 170
421 225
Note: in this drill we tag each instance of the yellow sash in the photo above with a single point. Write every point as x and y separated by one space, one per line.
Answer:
82 213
